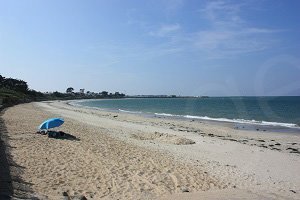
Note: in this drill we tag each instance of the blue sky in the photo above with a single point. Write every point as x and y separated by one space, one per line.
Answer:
215 48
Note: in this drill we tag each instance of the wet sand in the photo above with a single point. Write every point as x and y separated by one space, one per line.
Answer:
123 156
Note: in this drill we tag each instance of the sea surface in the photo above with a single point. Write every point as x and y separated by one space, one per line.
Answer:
270 111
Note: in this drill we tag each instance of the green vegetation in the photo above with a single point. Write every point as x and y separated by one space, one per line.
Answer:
8 96
15 91
70 90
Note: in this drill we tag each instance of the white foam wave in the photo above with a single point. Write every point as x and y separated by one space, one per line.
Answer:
242 121
167 115
133 112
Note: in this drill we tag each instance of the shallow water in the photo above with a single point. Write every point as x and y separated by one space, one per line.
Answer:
269 111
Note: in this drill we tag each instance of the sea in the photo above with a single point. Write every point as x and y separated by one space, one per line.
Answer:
268 111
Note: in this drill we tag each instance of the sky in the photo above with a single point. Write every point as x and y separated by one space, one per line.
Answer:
180 47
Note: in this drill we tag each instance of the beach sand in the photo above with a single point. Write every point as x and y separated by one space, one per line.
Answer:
124 156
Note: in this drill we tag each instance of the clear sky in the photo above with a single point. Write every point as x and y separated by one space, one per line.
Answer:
192 47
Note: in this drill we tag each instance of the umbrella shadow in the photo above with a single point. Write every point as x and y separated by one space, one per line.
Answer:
62 135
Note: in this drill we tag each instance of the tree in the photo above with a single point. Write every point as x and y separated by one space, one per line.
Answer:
14 84
1 80
104 93
58 94
70 90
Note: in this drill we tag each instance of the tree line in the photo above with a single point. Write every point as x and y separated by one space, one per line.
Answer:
103 94
14 91
13 84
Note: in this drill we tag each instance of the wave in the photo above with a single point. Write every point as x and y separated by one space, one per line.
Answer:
242 121
168 115
133 112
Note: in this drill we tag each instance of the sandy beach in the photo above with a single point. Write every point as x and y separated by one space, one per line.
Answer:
125 156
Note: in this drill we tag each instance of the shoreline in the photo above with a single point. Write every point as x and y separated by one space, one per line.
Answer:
138 157
196 125
251 125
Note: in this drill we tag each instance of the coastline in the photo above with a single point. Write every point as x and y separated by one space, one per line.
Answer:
233 123
150 157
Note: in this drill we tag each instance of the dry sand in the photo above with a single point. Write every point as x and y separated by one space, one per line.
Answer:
124 156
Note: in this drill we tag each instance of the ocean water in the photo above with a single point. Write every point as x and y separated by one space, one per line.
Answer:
272 111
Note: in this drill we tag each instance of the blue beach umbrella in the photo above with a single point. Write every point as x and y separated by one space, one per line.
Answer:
51 123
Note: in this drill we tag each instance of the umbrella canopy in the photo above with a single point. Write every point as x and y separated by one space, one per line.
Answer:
51 123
